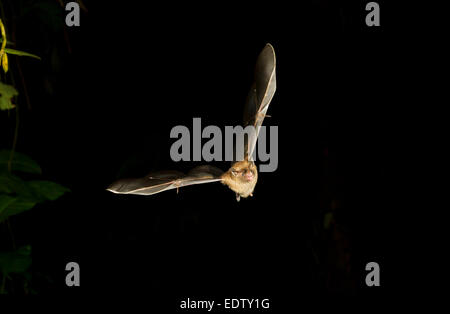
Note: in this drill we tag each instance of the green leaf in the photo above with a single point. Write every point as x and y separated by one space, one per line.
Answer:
20 162
15 262
10 206
5 201
7 92
8 43
5 183
23 197
47 190
16 207
11 184
21 53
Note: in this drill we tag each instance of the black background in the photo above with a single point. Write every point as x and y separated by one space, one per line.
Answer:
134 72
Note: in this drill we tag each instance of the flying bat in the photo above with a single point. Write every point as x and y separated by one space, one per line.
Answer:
242 175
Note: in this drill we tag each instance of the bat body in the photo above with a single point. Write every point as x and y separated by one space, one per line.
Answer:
241 178
242 175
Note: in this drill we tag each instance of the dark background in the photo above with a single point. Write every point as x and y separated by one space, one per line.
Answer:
105 97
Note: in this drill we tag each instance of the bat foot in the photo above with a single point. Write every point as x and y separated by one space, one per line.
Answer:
251 194
238 197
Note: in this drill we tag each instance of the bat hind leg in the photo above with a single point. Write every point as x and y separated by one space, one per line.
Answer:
238 197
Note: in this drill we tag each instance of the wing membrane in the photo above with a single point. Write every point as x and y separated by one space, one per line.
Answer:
260 95
165 180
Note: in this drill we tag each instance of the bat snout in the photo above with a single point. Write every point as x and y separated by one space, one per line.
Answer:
249 176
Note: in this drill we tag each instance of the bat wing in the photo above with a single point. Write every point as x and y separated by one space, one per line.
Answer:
260 95
165 180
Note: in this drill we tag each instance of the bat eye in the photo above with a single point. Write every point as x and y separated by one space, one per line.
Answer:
234 172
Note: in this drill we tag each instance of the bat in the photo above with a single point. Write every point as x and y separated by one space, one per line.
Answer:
242 176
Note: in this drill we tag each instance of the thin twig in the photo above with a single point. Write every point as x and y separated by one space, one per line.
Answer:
2 11
16 130
16 134
19 66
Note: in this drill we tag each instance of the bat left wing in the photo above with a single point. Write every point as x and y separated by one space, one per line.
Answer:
260 95
166 180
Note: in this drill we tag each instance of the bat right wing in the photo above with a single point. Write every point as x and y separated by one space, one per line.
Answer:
260 95
166 180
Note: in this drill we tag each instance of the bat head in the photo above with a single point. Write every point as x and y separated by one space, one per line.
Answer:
244 171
